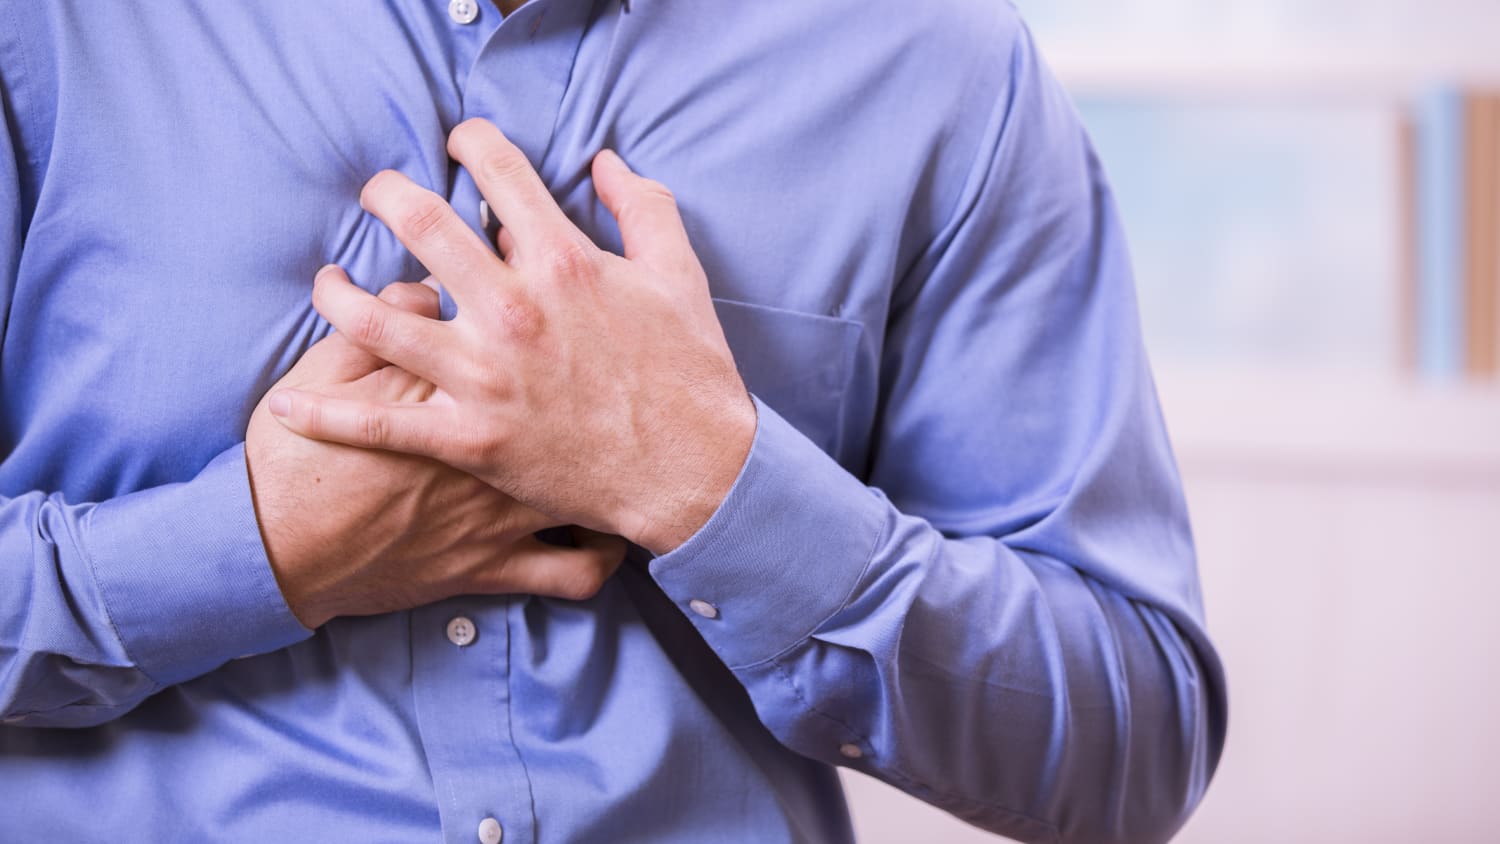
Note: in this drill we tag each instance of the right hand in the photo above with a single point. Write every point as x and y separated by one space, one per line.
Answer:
352 531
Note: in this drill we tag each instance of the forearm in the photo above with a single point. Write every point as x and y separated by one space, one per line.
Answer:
1003 685
1008 689
108 603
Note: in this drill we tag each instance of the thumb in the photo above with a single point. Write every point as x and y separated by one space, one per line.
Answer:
650 225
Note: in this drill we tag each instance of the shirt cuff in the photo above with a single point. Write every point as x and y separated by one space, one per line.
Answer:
184 574
783 552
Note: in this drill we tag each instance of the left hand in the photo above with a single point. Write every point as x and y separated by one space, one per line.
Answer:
595 388
353 531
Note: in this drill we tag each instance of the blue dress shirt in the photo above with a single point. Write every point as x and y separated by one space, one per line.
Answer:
957 559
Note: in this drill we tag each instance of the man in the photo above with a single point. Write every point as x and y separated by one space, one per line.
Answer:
871 408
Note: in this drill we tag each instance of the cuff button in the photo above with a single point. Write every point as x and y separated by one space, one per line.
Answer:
703 608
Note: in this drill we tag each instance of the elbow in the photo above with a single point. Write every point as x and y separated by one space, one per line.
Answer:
1166 748
61 693
72 716
69 717
1154 813
1114 781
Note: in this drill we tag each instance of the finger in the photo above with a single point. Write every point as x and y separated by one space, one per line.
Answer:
575 574
390 383
334 358
414 298
414 343
433 231
523 521
506 243
646 212
431 283
407 428
349 362
353 362
510 185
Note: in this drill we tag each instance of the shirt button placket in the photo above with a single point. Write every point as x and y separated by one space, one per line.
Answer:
460 657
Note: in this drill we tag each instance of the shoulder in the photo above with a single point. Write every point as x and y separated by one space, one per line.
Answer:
955 34
949 71
954 63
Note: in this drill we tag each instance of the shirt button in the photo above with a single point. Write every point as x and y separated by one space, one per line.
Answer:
490 831
463 11
703 608
851 751
462 632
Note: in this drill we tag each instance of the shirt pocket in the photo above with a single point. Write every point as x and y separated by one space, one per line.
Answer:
797 363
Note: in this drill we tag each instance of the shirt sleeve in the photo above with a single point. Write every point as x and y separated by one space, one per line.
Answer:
1004 618
104 604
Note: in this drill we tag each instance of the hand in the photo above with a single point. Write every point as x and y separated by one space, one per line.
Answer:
591 386
356 532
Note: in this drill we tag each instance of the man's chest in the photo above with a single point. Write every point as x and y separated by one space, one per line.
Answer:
189 197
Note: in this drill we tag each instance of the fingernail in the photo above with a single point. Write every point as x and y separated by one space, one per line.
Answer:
281 403
327 268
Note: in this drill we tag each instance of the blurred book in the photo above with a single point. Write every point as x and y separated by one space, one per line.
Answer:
1456 162
1482 203
1442 232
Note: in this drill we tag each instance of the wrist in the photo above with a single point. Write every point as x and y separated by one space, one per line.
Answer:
283 548
688 495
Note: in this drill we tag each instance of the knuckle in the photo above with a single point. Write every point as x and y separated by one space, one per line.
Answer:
473 373
486 447
372 428
503 165
491 377
369 326
424 218
571 261
520 319
468 447
656 191
311 414
652 195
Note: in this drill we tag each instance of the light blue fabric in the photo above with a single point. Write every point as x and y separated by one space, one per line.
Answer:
958 550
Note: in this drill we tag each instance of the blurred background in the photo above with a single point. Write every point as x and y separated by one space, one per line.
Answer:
1312 194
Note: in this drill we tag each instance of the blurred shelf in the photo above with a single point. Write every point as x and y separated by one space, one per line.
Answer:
1354 428
1088 68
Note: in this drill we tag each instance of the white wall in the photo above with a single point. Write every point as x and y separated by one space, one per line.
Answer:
1349 538
1348 532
